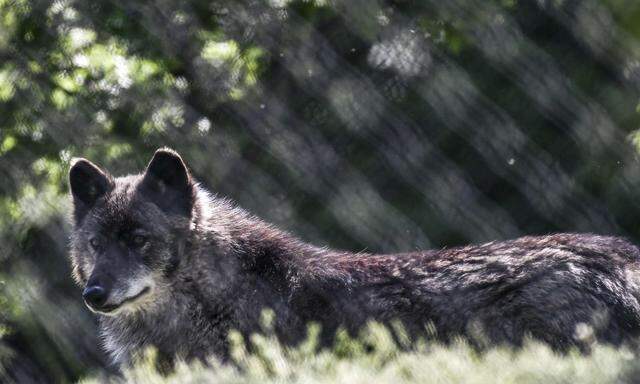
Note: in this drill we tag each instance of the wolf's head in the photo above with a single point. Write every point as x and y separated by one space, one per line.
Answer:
129 232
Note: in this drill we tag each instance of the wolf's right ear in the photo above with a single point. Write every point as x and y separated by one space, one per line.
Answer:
88 183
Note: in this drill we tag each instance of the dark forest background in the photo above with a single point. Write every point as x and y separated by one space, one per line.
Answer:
363 124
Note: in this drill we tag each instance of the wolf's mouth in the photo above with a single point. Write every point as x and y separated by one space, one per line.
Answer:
113 307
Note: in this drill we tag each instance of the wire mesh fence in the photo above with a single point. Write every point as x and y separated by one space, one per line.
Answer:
384 126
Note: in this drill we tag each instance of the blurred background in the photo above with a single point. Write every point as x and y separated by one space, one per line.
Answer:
371 125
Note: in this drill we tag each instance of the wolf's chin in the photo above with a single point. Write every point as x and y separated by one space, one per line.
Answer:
115 309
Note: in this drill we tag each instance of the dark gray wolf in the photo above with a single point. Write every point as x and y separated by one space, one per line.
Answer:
166 264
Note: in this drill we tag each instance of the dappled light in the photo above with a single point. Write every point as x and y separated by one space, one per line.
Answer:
369 126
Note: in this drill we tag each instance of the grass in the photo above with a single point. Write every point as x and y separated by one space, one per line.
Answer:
376 358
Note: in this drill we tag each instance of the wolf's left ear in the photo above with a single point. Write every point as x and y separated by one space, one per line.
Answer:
168 184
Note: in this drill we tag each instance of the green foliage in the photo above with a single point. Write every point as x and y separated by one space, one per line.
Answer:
386 126
375 358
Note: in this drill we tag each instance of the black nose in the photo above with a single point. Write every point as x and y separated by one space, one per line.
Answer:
95 296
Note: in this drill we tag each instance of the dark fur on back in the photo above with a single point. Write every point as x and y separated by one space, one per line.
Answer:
215 268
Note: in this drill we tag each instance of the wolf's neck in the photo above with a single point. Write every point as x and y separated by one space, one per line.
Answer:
232 230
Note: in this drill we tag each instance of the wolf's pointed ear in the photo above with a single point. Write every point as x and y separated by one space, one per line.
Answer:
88 183
168 184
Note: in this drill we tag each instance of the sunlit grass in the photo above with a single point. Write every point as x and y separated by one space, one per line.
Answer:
375 358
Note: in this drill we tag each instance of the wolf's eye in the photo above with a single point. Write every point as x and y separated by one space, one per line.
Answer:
94 242
139 240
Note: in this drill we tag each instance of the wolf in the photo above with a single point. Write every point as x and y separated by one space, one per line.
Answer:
164 263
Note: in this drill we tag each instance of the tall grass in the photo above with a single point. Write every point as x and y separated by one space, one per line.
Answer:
375 357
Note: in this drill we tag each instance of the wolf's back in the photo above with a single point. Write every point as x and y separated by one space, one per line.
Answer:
547 287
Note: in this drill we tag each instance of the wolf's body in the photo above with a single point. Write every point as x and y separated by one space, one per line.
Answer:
212 267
